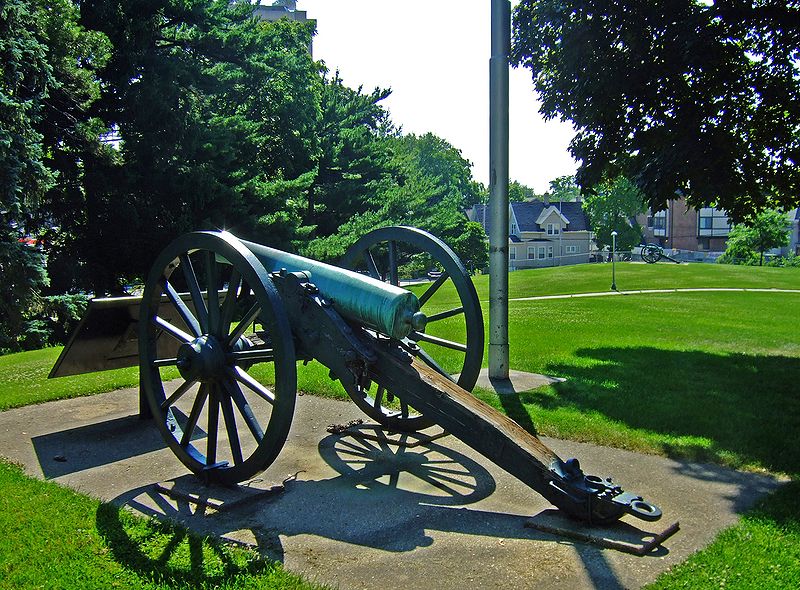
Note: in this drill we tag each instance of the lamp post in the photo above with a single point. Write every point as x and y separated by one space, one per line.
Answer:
613 261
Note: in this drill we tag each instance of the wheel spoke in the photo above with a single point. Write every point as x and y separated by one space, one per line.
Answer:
421 336
445 314
230 427
186 315
242 377
245 410
172 330
168 362
244 291
429 360
229 305
393 278
194 414
213 424
195 292
259 355
372 268
430 291
248 319
379 397
403 408
212 282
178 394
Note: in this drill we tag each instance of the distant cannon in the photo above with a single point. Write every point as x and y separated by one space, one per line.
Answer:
652 253
222 323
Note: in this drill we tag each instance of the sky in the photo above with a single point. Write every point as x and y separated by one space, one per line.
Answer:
434 55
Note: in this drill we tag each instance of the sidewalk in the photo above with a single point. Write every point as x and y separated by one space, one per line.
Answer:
359 514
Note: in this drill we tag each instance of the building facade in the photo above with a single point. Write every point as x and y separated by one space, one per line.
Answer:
702 234
681 227
542 234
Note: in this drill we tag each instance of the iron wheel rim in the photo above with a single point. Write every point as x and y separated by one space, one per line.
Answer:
213 362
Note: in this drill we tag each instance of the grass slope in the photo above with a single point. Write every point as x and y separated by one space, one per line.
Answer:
709 376
25 379
588 278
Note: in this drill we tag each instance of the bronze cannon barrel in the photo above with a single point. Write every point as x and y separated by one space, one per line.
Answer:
370 302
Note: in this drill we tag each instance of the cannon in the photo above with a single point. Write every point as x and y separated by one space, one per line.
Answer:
652 253
222 324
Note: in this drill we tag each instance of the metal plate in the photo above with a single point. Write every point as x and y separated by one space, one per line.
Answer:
106 337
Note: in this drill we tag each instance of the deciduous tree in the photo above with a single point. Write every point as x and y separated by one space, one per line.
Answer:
765 231
613 206
518 192
564 188
690 95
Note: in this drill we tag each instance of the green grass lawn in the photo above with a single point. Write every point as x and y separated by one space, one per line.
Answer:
704 376
24 379
587 278
56 538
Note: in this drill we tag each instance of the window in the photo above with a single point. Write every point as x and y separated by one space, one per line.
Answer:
513 228
712 222
512 253
531 253
553 229
660 224
549 251
541 252
572 249
704 243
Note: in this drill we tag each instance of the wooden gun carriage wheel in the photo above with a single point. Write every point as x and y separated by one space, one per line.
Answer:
223 365
381 254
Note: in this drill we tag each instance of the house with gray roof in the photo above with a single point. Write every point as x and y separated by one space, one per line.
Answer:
543 234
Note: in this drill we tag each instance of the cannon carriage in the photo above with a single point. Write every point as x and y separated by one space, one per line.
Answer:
222 324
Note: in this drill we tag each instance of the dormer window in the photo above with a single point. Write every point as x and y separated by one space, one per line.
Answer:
553 229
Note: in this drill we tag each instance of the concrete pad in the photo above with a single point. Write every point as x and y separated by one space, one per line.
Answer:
517 382
361 513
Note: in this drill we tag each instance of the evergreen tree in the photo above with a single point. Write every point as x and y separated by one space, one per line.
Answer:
47 82
354 163
215 114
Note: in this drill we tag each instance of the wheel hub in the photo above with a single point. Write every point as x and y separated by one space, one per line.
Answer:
202 359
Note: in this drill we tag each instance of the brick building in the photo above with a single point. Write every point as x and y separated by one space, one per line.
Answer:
684 228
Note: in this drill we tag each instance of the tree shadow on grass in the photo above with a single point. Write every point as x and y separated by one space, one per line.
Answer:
746 407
